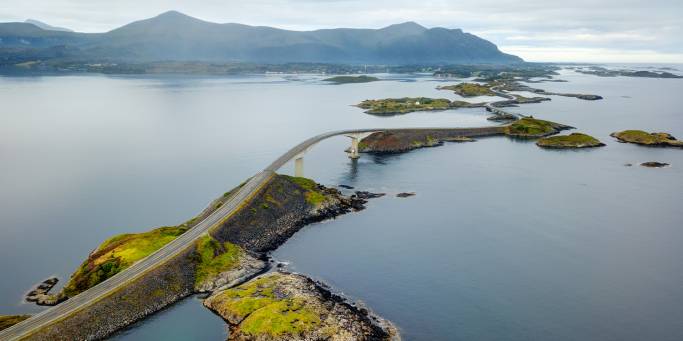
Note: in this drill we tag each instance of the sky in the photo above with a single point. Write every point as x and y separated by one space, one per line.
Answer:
619 31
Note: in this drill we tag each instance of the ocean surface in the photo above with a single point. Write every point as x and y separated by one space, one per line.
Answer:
503 241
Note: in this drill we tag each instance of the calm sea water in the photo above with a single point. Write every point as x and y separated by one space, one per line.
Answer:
503 241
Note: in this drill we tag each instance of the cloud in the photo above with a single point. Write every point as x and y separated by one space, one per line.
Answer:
543 26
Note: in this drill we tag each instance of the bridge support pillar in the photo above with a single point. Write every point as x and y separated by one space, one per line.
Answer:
355 142
299 166
353 152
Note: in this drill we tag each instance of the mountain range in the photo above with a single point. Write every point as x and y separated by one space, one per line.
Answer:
173 36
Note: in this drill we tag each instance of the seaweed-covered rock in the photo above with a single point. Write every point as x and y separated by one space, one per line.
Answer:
574 140
285 306
647 139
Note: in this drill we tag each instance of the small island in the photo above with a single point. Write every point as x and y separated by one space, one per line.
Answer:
529 127
399 106
351 79
574 140
469 89
654 164
647 139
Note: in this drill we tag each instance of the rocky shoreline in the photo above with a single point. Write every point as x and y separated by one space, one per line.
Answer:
287 306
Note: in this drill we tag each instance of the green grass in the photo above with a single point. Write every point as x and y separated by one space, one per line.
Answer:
117 254
310 188
351 79
574 140
7 321
284 317
266 313
530 127
214 257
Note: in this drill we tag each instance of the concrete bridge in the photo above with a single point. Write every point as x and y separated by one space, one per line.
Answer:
63 311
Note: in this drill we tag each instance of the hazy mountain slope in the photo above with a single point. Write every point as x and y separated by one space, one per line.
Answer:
175 36
45 26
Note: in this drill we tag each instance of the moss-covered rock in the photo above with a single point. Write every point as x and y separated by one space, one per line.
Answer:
574 140
470 89
7 321
283 306
529 127
647 139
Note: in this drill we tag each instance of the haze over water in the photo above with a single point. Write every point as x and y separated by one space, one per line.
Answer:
503 240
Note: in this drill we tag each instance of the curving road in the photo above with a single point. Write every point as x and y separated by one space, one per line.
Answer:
234 204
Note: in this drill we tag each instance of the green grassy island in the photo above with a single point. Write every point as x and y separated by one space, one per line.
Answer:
470 89
398 106
574 140
647 139
351 79
529 127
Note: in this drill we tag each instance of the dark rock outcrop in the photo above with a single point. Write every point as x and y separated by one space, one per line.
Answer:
654 164
281 209
405 194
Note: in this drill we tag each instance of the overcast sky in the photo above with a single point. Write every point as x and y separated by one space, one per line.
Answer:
536 30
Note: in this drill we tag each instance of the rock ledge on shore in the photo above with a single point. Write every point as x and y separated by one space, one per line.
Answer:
286 306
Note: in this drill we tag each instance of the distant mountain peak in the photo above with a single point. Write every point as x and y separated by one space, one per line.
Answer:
45 26
173 14
406 27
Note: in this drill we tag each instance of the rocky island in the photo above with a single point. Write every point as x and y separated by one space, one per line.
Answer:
654 164
286 306
529 127
351 79
647 139
398 106
469 89
574 140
